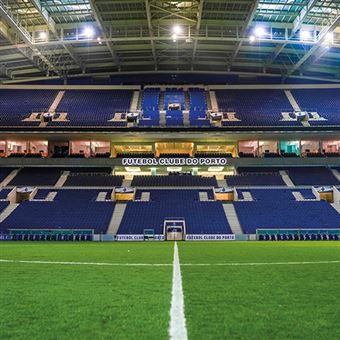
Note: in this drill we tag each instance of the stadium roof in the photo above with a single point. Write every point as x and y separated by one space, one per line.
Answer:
74 37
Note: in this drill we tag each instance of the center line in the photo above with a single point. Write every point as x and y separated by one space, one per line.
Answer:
177 329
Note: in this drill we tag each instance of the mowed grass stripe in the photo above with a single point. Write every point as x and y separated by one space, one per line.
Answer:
167 264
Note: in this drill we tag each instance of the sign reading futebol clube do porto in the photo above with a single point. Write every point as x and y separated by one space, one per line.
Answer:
173 161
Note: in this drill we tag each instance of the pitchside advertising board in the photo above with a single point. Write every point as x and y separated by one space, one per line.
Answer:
174 161
188 237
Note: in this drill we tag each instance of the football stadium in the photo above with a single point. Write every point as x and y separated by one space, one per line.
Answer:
169 169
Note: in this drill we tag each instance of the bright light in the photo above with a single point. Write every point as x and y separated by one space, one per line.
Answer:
174 37
305 35
88 32
42 35
99 39
252 38
260 31
329 37
177 29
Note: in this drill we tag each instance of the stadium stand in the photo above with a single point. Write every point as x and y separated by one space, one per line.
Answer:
150 107
36 176
93 180
16 105
255 179
71 209
278 209
173 181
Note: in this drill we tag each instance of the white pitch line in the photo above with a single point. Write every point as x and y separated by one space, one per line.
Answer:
177 328
169 264
91 263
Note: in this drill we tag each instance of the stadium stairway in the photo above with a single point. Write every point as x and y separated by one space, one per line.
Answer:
9 178
126 183
116 218
213 101
63 178
292 101
145 197
134 101
203 195
336 174
101 197
286 179
56 101
221 182
247 196
232 218
7 211
299 197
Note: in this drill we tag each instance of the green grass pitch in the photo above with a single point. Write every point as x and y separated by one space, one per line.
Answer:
285 300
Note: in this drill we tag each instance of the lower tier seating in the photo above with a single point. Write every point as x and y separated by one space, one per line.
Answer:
178 180
200 217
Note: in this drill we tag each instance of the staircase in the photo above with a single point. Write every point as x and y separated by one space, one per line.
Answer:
187 100
7 211
336 174
116 218
232 218
222 182
62 179
247 196
287 179
213 101
51 196
208 100
298 196
126 183
145 197
203 195
56 102
134 101
9 178
186 119
101 197
292 101
162 118
161 101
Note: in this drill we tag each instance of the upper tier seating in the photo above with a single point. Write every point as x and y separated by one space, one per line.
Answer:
36 176
3 205
255 107
4 172
173 181
150 107
93 107
93 180
312 176
326 102
273 209
71 209
198 108
254 178
16 105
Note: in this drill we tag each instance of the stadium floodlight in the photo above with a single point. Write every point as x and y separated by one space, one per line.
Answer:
177 29
88 32
42 35
329 37
305 35
174 37
99 39
252 38
260 31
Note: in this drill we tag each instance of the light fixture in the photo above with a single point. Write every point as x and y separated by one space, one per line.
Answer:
42 35
177 29
305 35
174 37
260 31
99 39
88 32
252 38
329 37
